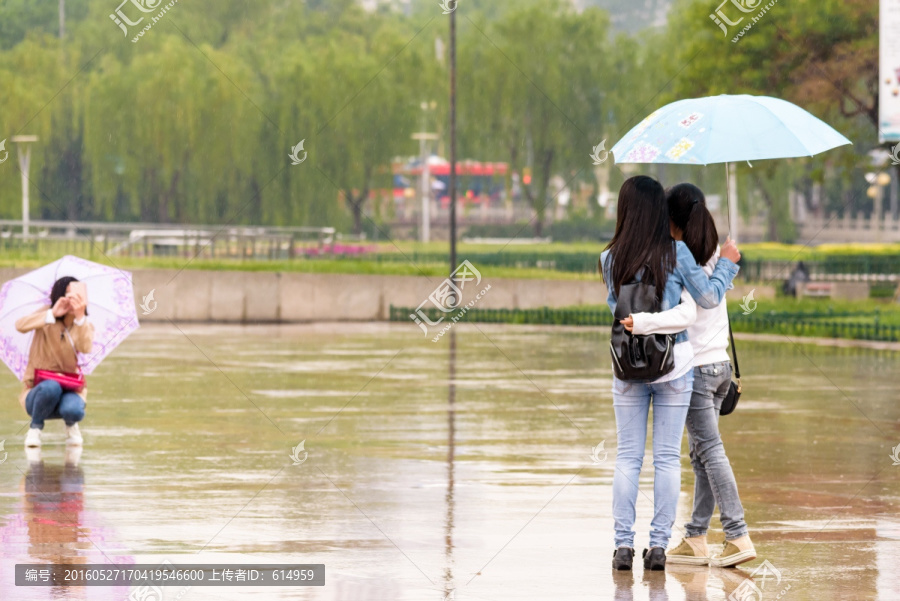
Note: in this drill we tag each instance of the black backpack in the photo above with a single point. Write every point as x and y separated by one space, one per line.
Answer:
641 358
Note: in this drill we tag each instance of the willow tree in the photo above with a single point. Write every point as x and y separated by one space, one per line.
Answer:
542 76
165 132
23 100
375 109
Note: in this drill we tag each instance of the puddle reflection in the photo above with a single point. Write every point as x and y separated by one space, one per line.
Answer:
53 527
52 507
451 458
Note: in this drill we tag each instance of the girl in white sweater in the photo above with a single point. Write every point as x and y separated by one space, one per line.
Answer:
708 335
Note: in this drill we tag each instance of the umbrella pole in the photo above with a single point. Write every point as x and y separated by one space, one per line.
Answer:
731 201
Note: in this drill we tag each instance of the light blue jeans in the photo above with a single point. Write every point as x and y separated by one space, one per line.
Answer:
714 481
631 401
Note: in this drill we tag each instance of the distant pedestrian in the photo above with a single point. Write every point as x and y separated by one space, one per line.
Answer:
800 275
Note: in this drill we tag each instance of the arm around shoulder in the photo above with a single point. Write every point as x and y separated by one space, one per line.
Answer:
708 291
673 321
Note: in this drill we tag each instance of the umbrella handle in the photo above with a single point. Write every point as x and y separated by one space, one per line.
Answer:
728 197
732 225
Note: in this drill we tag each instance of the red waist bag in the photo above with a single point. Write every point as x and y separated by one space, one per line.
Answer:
69 382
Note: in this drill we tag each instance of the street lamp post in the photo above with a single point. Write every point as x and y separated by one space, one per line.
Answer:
425 183
452 141
425 180
24 152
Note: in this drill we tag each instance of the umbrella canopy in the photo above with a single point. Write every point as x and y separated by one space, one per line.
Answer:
110 308
726 129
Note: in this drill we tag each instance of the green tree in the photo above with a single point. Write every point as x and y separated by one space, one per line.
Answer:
821 56
378 94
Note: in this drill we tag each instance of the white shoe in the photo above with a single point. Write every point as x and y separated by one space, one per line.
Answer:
73 435
33 438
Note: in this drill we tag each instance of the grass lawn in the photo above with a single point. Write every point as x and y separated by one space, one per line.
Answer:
888 312
766 251
348 266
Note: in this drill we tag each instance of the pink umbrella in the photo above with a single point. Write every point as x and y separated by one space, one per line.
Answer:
110 308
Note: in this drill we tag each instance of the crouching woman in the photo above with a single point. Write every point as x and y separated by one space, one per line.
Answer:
61 331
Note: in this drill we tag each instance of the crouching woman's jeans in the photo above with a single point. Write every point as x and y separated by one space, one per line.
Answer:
632 401
48 400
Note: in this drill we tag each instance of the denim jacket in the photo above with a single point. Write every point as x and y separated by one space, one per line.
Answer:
707 291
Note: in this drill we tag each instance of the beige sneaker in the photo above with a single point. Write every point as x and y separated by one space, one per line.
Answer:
692 551
736 551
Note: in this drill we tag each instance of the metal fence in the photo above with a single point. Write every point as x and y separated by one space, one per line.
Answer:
570 262
852 268
89 239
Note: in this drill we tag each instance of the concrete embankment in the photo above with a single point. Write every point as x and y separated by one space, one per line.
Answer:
273 297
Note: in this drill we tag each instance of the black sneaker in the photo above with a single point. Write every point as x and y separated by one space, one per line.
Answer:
654 559
623 557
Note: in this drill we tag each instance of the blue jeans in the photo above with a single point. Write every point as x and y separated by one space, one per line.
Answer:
714 481
631 401
48 400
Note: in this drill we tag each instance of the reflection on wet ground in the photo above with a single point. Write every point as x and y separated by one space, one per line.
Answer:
454 470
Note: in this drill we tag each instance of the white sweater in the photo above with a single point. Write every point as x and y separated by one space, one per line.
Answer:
708 334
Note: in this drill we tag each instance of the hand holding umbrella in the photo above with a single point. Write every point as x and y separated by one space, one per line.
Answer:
730 251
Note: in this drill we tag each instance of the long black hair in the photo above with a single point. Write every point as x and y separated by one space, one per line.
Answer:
688 211
60 287
642 241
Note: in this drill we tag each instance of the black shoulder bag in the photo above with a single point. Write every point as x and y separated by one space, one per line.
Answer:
634 357
734 391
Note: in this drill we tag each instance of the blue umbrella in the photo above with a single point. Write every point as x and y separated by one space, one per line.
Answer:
726 129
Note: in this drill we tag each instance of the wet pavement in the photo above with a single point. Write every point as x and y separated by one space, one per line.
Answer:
462 469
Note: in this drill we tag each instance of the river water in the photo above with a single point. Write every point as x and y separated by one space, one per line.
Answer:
468 468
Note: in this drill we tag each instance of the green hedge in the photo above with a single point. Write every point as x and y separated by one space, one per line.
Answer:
751 270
